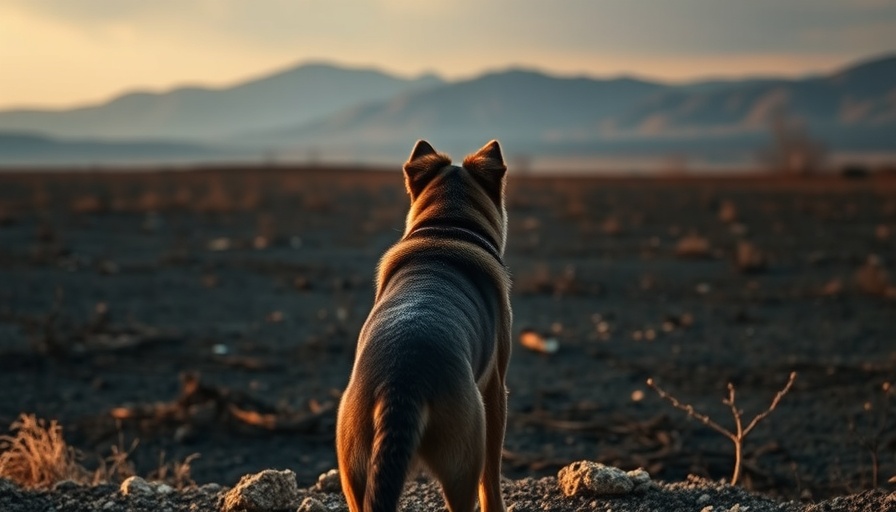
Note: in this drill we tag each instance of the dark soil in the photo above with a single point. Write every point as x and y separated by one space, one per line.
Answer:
114 286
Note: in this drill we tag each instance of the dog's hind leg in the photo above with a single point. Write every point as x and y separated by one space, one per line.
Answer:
453 449
495 398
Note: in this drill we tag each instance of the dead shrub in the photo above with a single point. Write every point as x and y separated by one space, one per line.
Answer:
177 474
36 456
740 431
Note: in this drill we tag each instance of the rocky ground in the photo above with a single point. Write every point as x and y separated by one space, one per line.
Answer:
278 492
215 313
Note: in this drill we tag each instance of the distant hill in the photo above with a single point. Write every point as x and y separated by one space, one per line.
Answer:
298 95
516 105
330 113
853 109
31 149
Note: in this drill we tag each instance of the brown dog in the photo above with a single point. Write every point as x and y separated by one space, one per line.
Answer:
428 380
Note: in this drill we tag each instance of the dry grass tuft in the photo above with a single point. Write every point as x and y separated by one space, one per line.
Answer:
36 456
177 474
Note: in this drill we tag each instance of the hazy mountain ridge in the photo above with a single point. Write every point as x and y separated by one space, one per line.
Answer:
553 114
300 94
324 111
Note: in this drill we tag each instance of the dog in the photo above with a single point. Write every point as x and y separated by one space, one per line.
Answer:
428 379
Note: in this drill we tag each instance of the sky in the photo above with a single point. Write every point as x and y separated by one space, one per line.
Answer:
63 53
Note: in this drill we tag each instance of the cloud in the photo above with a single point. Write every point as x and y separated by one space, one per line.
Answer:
163 42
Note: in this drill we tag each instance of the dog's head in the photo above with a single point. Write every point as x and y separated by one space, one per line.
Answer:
469 196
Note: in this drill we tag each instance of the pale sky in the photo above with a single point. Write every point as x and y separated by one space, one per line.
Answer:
60 53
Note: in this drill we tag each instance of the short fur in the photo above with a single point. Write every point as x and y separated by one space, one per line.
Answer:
428 380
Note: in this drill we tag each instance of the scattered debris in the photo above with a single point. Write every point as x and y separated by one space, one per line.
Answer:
727 211
873 279
200 405
693 246
219 244
532 340
611 226
748 258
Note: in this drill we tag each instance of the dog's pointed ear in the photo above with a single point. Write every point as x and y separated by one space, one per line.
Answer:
421 166
488 166
492 151
421 149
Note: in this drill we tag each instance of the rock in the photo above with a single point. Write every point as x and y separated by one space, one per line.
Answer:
640 479
310 504
268 491
135 486
593 478
163 488
66 485
329 481
211 488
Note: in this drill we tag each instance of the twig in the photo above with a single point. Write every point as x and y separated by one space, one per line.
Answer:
736 437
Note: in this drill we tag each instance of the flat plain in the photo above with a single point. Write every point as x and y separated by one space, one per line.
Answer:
214 311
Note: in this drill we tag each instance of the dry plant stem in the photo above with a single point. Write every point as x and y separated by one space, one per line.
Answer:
740 432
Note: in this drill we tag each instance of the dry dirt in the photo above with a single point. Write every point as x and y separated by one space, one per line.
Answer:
215 312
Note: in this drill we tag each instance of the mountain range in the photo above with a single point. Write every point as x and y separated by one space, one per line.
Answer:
327 112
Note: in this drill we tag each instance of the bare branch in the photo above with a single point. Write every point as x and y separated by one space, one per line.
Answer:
689 409
761 416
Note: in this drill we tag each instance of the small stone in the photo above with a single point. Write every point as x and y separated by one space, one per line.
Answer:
268 491
640 479
329 481
109 505
594 478
211 488
163 488
134 485
310 504
66 486
703 499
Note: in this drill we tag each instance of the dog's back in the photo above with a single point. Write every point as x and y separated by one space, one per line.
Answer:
435 345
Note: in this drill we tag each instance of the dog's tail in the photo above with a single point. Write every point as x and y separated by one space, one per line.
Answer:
398 422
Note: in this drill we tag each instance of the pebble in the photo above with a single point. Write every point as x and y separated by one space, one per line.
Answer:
310 504
135 485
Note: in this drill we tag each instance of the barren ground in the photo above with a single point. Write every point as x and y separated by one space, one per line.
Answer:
255 282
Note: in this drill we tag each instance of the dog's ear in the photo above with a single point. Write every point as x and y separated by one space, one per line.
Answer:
487 165
421 166
421 149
